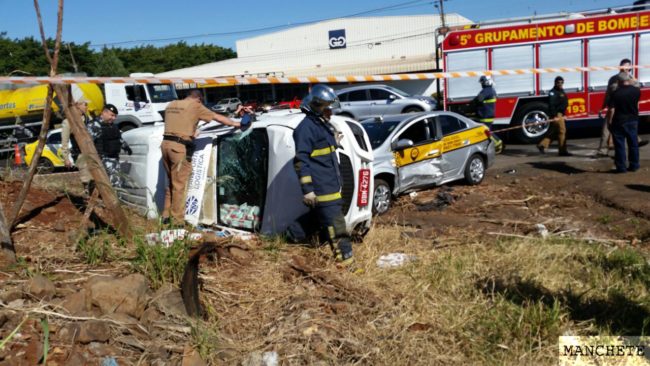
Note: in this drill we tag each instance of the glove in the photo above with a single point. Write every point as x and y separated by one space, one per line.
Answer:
310 199
338 136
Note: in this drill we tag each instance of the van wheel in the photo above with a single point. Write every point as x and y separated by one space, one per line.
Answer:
475 170
412 110
126 127
531 113
44 166
382 197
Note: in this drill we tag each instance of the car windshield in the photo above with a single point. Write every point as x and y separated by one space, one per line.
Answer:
242 169
223 101
378 132
397 91
162 93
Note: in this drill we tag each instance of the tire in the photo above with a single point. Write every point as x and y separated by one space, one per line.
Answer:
412 109
127 127
475 170
45 166
527 114
382 197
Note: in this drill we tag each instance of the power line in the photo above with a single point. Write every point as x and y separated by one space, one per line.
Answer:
398 6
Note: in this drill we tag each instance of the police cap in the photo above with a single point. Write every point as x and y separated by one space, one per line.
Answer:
111 108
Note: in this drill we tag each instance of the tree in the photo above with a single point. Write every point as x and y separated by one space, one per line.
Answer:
108 64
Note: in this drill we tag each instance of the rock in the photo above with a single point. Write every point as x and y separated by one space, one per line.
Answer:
253 359
94 331
76 359
11 295
150 316
59 226
126 295
191 357
76 303
67 334
100 349
50 210
168 300
40 287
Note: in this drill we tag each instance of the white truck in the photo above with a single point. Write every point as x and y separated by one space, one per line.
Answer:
139 104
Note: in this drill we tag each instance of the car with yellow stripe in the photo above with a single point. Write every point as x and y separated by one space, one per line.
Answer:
415 151
50 157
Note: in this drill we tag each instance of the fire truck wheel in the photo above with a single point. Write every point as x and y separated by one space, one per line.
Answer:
531 133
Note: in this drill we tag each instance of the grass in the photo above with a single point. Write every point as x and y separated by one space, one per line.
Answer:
160 264
478 301
96 249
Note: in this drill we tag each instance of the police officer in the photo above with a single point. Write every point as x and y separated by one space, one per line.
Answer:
70 154
181 119
108 142
557 104
317 166
485 104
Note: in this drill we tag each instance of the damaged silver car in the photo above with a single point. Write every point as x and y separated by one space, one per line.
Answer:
427 149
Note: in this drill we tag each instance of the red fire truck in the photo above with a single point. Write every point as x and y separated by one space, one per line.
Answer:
588 39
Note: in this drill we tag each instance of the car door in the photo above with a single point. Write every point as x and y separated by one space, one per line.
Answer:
383 102
456 142
357 103
420 164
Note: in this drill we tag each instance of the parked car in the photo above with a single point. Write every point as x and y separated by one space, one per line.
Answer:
252 103
291 104
226 105
252 186
364 101
50 158
414 151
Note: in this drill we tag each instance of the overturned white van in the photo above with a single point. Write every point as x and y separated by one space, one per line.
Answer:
246 180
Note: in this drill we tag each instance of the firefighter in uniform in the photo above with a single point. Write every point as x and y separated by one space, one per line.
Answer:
485 105
557 104
181 120
318 170
108 142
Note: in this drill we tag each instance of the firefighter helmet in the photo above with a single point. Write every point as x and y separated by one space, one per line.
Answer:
485 80
320 98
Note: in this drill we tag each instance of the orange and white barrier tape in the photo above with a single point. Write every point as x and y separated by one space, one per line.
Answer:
300 79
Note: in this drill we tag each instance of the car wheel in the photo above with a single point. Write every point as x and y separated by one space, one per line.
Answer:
412 110
44 166
382 197
531 113
475 170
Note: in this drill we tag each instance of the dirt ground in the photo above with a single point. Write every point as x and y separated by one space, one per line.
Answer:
278 298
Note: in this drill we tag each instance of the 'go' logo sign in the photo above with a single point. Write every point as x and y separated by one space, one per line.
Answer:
337 38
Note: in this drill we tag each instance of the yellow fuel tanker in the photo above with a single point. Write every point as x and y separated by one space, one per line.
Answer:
28 103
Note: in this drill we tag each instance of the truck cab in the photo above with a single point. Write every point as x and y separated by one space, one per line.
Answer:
138 103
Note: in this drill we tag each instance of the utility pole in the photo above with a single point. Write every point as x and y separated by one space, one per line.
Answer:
441 6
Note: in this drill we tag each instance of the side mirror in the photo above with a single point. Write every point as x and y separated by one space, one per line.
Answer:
401 144
391 97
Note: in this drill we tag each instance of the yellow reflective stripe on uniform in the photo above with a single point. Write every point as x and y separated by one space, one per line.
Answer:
493 100
486 120
306 179
329 197
323 151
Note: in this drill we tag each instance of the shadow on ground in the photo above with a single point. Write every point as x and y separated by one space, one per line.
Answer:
615 312
557 166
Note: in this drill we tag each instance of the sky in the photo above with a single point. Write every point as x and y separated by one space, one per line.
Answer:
128 23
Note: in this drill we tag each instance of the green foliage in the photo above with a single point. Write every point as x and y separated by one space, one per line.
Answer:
96 249
108 64
161 264
26 57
